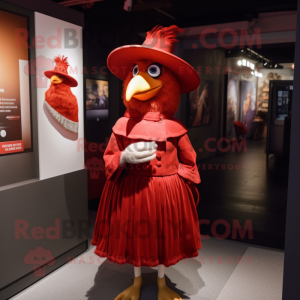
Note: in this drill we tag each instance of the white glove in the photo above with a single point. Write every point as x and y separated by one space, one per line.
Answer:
138 153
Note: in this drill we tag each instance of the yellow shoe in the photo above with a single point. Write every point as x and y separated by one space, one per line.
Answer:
133 292
165 293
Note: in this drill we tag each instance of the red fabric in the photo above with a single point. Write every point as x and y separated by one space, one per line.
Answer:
147 214
61 68
61 98
240 128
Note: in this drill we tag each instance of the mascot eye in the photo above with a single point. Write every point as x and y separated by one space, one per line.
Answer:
154 71
135 70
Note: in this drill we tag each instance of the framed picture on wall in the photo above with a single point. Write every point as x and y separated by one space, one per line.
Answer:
201 104
96 99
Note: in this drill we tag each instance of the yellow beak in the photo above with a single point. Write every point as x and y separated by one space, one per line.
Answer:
143 87
56 80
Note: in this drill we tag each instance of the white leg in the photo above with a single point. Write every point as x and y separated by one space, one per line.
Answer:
161 271
137 271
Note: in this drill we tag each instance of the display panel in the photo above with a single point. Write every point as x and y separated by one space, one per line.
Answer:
61 151
248 102
15 119
283 100
201 104
232 107
96 99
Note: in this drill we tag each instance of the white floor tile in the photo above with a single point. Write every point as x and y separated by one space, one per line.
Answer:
261 279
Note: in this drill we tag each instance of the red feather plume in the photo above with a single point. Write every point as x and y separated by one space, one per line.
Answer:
167 33
62 60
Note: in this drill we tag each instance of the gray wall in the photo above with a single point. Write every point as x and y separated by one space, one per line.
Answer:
38 203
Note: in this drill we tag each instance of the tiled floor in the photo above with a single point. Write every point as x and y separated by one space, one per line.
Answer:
214 275
224 269
252 193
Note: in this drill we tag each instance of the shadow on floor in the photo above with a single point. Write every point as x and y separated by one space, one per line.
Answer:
111 279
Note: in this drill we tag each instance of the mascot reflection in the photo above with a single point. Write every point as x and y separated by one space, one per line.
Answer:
147 214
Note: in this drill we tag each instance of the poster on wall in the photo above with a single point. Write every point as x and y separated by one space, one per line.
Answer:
201 104
15 123
60 123
248 103
96 99
232 107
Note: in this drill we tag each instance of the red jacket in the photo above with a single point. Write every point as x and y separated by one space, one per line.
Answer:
175 153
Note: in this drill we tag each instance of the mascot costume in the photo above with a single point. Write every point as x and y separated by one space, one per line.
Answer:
147 214
59 99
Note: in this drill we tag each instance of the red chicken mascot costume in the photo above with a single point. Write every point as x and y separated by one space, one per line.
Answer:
147 214
59 99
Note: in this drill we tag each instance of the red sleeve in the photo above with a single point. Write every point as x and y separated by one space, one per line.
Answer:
187 160
112 157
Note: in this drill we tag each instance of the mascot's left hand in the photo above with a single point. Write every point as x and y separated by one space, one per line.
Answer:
138 153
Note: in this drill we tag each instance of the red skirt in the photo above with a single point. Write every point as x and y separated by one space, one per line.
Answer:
147 221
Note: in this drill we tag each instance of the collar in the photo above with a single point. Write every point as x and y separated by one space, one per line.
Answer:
149 116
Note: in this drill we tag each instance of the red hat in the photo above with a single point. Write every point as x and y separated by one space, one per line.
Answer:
158 47
61 68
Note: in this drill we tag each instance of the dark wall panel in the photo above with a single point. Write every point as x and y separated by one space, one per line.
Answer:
59 202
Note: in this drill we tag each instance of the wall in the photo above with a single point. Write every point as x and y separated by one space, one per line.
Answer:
208 63
39 203
98 42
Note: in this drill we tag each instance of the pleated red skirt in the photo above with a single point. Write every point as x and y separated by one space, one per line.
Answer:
147 221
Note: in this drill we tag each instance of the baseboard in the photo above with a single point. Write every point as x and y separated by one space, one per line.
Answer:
29 279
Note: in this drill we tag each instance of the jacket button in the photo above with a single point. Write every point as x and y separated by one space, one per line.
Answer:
158 163
158 154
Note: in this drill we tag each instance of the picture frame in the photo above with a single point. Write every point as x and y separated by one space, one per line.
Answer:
96 99
201 105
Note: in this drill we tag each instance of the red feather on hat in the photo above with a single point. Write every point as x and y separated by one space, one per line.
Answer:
167 34
62 60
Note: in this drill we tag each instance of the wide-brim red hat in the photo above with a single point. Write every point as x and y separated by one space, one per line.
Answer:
61 68
158 47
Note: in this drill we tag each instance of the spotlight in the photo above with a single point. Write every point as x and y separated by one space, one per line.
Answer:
242 50
127 5
275 65
265 63
239 63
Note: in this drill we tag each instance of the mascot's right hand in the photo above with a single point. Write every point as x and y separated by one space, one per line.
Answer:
138 153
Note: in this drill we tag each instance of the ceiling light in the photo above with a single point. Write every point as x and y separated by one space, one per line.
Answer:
127 5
